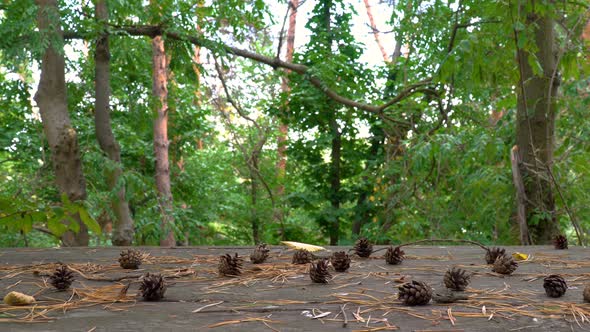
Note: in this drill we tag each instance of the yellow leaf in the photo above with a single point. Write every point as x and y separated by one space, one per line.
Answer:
16 298
305 246
520 256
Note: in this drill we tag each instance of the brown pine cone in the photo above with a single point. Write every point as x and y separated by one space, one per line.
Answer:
152 287
62 278
363 248
130 259
560 242
394 256
504 265
340 261
260 254
415 293
457 279
230 266
318 272
493 253
302 256
554 285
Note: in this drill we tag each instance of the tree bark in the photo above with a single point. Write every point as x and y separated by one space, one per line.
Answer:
51 98
254 220
525 238
375 31
336 145
160 92
283 128
123 224
535 127
335 175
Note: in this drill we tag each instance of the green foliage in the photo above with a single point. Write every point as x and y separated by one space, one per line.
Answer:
435 165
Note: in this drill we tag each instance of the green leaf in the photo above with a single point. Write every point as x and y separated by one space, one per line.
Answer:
535 65
56 226
73 224
519 26
89 221
522 40
27 224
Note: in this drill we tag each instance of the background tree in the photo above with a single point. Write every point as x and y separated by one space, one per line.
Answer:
282 139
424 140
51 97
123 225
535 119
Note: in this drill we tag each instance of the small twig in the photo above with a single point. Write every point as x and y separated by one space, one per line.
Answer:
344 315
207 306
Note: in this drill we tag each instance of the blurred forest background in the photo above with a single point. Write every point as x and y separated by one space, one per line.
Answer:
213 122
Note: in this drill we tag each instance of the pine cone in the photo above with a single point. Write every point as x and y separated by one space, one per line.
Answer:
560 242
260 254
152 287
394 256
587 293
363 248
554 285
62 278
457 279
230 266
302 256
504 265
494 253
340 261
130 259
318 272
415 293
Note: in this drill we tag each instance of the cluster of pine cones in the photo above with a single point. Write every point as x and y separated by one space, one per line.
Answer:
153 286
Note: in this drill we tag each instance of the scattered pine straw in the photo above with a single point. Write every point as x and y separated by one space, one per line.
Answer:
263 320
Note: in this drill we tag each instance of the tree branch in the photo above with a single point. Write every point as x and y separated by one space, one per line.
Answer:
262 138
153 30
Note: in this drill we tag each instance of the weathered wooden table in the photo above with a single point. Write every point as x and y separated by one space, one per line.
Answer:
279 296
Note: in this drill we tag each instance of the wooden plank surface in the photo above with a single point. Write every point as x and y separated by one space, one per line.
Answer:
279 296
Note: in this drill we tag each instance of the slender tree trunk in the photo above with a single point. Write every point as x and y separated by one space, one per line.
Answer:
336 144
51 97
363 210
254 220
535 127
375 31
160 92
283 128
123 225
335 175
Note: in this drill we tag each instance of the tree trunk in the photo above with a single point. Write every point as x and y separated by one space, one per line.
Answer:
535 128
336 145
160 92
524 236
283 128
375 31
51 97
255 222
123 225
335 180
363 211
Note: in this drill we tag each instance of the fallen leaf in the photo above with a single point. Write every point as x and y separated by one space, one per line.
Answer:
16 298
520 256
305 246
